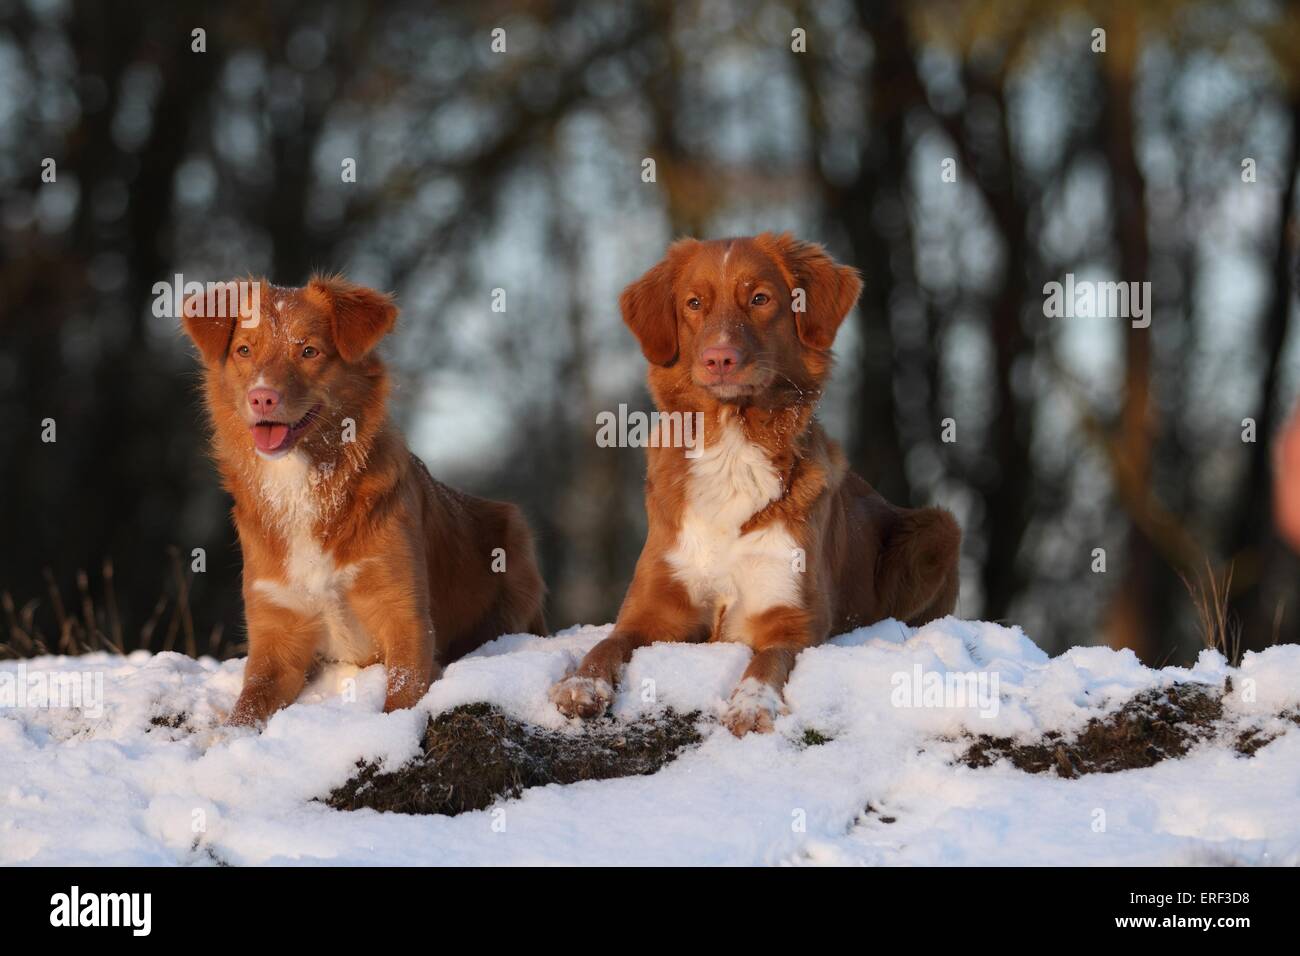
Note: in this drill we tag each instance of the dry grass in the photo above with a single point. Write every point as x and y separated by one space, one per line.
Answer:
87 624
1219 629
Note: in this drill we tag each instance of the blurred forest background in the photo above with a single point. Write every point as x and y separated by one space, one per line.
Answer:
521 170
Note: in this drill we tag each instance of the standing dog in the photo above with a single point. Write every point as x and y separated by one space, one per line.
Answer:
766 537
351 550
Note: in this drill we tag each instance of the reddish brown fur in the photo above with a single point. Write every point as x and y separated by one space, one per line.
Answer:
866 559
350 531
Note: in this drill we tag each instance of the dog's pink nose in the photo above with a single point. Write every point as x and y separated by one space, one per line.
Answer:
263 400
720 359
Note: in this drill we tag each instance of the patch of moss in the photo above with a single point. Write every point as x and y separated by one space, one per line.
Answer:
1152 726
474 755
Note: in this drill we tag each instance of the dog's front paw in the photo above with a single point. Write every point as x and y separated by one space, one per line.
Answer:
246 715
753 706
577 696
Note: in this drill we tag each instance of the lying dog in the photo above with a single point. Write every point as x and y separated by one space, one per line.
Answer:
351 550
765 538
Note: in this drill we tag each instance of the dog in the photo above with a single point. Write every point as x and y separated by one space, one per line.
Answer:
351 550
764 537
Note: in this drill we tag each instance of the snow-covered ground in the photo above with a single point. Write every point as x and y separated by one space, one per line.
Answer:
107 785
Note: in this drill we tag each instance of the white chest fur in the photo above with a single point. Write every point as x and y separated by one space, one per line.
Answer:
312 583
741 574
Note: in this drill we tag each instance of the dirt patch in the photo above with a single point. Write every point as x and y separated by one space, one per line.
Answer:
474 755
1253 738
172 721
1152 726
874 811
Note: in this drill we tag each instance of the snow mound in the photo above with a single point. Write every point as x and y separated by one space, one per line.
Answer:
862 770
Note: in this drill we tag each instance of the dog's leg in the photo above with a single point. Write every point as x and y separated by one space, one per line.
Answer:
917 572
403 632
657 608
409 676
281 645
589 691
777 636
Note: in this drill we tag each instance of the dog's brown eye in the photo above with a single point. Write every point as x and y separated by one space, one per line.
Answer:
693 304
759 299
243 350
310 352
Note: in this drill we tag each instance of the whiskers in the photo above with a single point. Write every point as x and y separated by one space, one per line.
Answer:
764 365
314 415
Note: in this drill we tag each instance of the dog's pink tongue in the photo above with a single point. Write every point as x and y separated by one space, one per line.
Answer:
269 437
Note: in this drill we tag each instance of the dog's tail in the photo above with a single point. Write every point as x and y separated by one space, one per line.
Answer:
522 593
917 569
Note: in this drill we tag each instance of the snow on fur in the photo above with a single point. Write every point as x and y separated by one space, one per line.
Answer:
155 779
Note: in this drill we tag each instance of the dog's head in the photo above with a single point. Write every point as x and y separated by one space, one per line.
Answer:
287 361
741 321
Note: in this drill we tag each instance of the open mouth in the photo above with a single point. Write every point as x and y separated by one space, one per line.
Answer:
273 439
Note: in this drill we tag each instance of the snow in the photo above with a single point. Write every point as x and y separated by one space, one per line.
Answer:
102 785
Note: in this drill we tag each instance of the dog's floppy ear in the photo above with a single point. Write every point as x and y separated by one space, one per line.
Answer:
359 317
648 307
830 289
211 333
